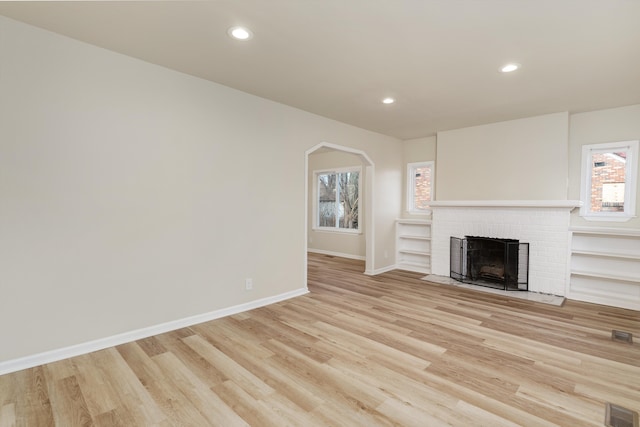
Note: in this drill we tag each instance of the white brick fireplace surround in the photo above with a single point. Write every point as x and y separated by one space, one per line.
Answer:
544 224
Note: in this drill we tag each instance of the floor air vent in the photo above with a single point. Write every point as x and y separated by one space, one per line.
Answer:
622 336
617 416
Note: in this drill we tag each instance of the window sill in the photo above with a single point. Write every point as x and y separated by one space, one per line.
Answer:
336 230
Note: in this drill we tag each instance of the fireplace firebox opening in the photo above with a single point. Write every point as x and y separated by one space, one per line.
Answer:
492 262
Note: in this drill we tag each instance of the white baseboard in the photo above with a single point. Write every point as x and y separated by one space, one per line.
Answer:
338 254
380 270
613 301
102 343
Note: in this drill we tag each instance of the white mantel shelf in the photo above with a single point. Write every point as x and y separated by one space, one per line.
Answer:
569 204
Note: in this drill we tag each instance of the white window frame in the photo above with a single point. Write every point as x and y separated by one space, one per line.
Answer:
316 213
631 178
411 185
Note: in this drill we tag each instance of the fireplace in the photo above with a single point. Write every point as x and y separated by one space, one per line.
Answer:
492 262
544 224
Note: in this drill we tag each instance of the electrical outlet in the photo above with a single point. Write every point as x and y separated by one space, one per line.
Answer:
386 254
248 284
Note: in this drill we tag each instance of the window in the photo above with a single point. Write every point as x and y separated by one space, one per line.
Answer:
419 186
338 199
609 175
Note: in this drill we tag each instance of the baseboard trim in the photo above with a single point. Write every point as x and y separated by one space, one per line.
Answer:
380 270
102 343
338 254
604 300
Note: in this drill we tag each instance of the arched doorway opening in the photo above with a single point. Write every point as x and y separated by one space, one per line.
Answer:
366 204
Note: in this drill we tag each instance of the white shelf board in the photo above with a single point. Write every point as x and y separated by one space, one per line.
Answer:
413 221
413 252
605 254
606 276
413 237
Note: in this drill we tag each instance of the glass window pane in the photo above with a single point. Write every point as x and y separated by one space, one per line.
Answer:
327 200
348 207
608 181
422 187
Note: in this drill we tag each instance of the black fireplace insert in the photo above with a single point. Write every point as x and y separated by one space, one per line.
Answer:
492 262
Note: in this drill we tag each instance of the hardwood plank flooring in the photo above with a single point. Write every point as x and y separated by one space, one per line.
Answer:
389 350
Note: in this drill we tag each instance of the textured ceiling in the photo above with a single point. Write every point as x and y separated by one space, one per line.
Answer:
339 58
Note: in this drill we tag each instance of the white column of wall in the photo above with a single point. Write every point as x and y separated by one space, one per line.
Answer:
546 229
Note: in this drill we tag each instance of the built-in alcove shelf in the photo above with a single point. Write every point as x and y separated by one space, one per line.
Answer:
413 245
605 266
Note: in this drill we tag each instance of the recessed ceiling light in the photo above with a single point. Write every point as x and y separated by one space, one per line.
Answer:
388 101
240 33
509 68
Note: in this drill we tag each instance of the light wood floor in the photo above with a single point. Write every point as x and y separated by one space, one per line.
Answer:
356 351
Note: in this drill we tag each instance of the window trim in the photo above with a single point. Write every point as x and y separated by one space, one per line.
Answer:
631 179
411 167
316 213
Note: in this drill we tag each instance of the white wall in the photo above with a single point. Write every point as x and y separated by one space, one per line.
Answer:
616 124
350 245
523 159
134 195
419 149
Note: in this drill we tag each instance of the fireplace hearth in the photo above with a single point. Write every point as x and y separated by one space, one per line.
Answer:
492 262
